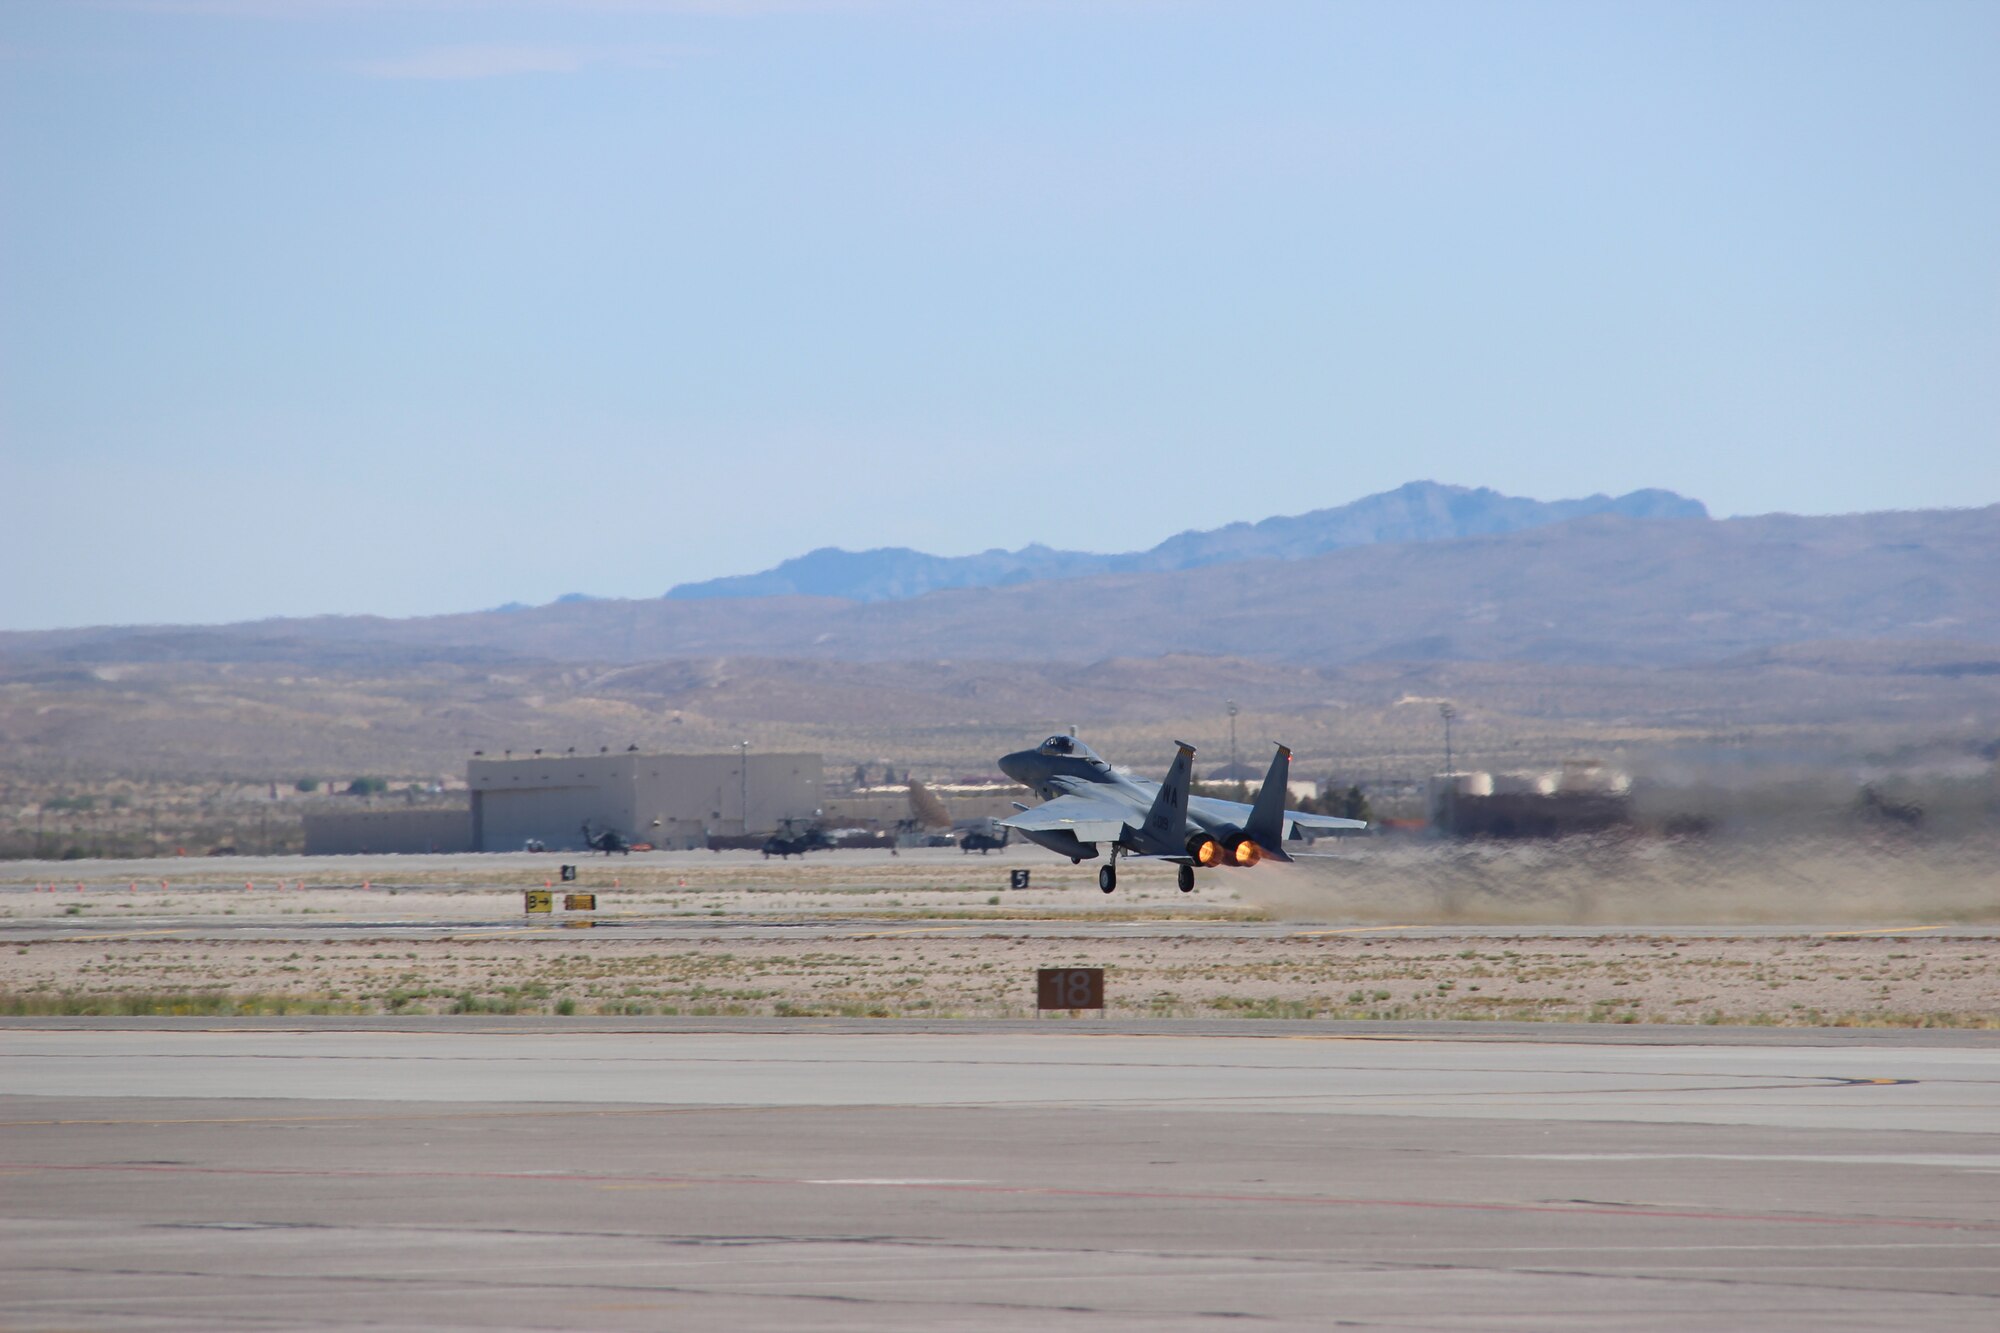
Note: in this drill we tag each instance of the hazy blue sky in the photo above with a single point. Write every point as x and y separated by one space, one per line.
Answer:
406 306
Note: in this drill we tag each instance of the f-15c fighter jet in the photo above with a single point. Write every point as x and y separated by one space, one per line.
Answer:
1087 803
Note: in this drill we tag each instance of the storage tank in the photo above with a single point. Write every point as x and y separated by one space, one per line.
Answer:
1592 776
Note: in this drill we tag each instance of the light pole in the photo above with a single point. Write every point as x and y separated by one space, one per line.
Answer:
745 774
1234 773
1450 805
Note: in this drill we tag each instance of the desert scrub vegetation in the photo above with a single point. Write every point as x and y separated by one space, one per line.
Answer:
968 970
181 1004
70 818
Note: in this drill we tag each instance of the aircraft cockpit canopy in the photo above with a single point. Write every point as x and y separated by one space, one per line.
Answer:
1070 747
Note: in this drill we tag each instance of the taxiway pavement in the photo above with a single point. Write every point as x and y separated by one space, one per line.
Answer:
798 1175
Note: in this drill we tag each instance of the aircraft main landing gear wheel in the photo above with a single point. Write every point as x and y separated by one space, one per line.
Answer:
1187 879
1107 878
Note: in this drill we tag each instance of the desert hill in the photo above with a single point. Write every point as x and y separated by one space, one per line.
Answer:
1604 590
273 721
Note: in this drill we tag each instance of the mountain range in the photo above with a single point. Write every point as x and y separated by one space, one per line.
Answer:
1603 589
1420 511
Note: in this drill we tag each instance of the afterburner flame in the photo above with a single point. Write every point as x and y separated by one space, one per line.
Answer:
1248 853
1207 852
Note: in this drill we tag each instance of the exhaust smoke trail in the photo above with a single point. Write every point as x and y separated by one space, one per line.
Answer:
1627 881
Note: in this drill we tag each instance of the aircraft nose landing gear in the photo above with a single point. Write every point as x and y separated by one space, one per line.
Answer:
1107 877
1187 879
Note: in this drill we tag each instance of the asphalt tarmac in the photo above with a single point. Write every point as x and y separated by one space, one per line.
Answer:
738 928
536 1174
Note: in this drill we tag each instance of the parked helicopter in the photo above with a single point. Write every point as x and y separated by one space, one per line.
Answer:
791 840
609 841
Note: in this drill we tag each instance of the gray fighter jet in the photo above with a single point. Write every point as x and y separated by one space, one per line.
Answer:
1087 803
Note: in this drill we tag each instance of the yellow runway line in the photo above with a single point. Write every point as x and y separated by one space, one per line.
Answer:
1885 930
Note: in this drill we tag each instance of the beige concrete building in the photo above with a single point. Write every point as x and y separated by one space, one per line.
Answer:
351 832
885 807
669 800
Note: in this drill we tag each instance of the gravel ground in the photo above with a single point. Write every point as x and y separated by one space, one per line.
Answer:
866 968
1895 980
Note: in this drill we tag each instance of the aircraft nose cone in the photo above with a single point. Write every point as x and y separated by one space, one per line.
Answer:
1015 765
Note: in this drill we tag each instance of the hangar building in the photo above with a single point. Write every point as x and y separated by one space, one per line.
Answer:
669 800
347 832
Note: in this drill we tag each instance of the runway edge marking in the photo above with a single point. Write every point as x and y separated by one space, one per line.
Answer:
1580 1209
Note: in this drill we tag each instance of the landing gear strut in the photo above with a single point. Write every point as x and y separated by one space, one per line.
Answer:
1187 879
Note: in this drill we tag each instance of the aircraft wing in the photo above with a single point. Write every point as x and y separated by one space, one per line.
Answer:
1236 812
1091 819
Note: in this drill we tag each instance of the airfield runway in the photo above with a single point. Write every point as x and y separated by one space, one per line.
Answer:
645 1174
684 931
